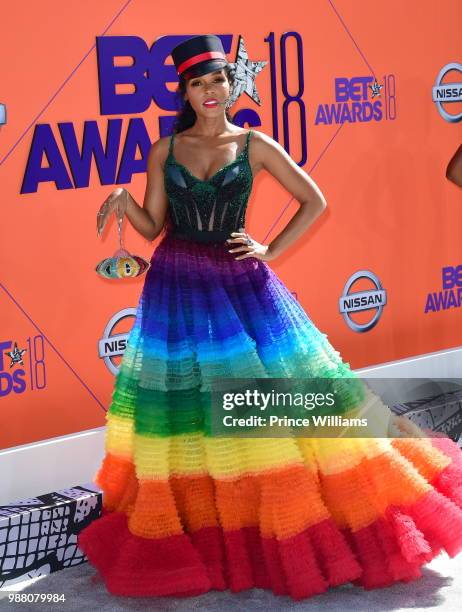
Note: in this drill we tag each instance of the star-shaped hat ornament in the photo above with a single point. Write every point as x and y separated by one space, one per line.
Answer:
245 72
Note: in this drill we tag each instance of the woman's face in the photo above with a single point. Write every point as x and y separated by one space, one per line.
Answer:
213 85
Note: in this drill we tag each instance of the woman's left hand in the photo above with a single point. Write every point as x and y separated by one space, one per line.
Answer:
250 247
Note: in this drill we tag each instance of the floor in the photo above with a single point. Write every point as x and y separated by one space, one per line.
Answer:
440 587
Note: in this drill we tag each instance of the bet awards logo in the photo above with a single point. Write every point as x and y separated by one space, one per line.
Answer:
12 379
149 74
22 365
112 344
352 104
448 92
450 295
356 301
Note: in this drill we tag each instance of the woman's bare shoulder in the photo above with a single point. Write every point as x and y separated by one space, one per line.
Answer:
262 147
262 137
159 151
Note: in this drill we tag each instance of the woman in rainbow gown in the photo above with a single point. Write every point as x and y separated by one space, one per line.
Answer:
186 512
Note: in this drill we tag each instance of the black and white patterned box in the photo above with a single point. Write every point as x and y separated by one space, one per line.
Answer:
440 412
39 535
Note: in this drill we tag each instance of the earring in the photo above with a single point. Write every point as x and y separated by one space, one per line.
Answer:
228 101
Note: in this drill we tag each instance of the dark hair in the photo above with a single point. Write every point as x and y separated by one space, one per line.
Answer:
186 118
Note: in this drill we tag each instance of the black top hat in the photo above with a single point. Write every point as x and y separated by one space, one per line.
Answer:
199 55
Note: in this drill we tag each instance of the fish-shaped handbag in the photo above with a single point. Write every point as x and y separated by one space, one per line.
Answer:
122 264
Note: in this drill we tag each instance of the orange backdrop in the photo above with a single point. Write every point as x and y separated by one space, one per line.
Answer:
379 159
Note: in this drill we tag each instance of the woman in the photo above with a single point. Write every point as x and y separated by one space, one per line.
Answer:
185 512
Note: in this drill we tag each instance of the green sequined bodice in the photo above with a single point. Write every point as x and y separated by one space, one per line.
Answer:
208 210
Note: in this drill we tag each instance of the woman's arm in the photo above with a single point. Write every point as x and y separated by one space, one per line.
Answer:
454 169
149 219
273 157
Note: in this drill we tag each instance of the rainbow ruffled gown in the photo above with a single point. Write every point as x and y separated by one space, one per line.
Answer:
185 512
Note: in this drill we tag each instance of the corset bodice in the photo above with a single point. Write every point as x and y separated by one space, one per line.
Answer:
208 210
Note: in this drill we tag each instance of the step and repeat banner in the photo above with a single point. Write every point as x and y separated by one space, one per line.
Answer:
365 96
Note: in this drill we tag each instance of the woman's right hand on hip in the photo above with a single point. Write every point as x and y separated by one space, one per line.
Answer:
116 202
